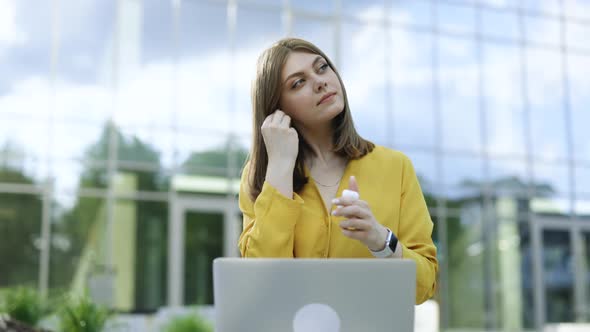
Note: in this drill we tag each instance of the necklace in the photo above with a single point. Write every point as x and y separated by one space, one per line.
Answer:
326 185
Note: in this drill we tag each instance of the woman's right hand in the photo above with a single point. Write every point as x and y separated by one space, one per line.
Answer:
280 139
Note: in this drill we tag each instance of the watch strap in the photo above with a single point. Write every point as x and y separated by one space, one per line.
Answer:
386 252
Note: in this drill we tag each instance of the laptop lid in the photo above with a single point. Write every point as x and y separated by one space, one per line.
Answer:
308 295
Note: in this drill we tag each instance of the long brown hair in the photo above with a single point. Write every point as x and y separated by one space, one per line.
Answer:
266 93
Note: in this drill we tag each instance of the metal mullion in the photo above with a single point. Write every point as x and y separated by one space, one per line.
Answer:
580 290
579 300
441 209
172 293
112 141
538 282
21 188
489 234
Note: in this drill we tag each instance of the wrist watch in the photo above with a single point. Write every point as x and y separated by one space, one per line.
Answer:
390 245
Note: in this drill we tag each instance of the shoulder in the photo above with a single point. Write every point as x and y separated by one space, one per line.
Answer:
387 156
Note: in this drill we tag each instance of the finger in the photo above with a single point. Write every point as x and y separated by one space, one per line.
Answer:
356 235
352 211
286 121
349 233
355 224
353 185
343 200
267 121
293 131
277 117
347 201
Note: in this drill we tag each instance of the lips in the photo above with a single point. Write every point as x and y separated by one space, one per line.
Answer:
326 96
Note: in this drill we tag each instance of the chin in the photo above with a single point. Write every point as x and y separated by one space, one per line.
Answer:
335 110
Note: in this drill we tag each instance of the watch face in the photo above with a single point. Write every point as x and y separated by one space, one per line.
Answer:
393 243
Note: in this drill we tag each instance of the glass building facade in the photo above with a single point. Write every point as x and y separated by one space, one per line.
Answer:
124 125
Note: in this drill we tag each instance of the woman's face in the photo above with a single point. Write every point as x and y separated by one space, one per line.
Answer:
311 93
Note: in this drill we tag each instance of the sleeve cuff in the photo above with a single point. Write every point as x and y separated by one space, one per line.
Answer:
273 204
422 293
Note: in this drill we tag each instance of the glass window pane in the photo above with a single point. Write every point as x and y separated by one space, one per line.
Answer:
238 155
203 243
582 179
578 9
579 82
25 48
142 231
80 141
527 280
272 4
582 208
86 59
72 175
318 32
144 145
547 6
509 177
24 146
244 141
145 95
312 6
467 278
576 35
454 18
425 166
502 88
586 266
202 155
252 38
459 94
542 30
552 178
203 87
462 176
412 95
558 276
507 252
413 13
500 23
131 178
20 226
547 117
369 10
493 4
77 232
365 78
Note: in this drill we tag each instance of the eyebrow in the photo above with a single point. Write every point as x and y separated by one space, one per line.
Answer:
318 58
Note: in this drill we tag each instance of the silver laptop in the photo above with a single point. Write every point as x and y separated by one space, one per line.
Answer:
313 295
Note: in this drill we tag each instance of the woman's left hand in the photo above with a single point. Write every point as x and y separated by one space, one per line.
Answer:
360 224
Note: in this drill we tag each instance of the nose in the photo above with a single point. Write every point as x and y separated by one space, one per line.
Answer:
320 85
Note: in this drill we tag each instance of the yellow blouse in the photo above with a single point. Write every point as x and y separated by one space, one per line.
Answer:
276 226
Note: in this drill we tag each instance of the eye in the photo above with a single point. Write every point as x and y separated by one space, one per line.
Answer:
297 83
323 67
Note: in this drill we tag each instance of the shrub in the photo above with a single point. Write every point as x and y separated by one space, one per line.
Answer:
82 315
188 323
23 304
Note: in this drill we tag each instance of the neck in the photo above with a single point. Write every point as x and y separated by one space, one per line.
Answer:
319 140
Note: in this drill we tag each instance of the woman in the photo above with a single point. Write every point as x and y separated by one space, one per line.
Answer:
305 151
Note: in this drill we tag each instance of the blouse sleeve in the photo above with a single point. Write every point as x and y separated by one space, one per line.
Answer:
415 233
269 222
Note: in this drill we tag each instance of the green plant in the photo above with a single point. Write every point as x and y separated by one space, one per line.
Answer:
188 323
82 315
23 304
